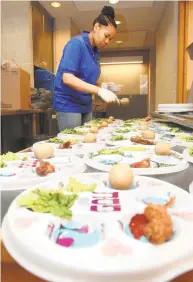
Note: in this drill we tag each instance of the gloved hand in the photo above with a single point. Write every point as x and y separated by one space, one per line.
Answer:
108 96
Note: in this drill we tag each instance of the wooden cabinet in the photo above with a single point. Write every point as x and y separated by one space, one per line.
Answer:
42 30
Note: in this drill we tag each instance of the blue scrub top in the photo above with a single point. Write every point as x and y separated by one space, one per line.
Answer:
82 60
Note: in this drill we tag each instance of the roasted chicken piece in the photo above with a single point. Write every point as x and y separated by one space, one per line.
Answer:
142 164
141 141
160 227
65 145
147 118
44 168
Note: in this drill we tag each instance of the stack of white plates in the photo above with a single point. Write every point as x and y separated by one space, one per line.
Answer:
175 108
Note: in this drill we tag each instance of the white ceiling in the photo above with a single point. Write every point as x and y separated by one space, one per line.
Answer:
139 19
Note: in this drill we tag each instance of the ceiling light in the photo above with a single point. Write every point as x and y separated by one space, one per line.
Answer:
113 1
118 22
119 42
55 4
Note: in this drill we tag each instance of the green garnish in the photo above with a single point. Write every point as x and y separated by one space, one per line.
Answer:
119 151
55 140
164 125
118 138
60 141
48 201
126 130
190 151
185 138
71 131
132 149
25 158
106 152
2 164
175 130
165 165
85 126
76 186
177 156
9 157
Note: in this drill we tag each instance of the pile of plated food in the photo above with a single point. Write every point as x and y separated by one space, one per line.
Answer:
86 195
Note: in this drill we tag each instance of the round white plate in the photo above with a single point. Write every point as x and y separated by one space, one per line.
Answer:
191 188
69 136
127 143
8 174
81 148
187 156
54 145
82 129
181 142
28 155
25 234
26 176
167 164
119 143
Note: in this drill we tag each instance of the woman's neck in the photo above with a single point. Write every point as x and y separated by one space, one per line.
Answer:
91 39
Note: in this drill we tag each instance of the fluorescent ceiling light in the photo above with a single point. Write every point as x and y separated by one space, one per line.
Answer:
55 4
113 1
119 42
118 22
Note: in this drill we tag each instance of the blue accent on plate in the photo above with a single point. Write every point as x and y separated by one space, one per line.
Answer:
155 200
7 173
128 232
108 162
132 187
72 225
81 240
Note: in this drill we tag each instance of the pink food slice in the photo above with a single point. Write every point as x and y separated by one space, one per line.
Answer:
65 242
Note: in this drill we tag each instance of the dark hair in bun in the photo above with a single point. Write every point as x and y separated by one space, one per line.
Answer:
106 17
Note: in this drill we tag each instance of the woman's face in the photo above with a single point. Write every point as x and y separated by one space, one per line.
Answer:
103 34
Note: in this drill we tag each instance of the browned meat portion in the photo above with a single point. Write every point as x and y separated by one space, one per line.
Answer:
142 164
160 226
141 141
44 168
65 145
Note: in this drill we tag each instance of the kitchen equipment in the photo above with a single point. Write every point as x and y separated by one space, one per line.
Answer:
175 108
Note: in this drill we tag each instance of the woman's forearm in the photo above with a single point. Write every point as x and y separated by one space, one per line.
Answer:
78 84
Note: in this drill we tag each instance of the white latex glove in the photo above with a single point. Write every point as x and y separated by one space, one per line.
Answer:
108 96
104 85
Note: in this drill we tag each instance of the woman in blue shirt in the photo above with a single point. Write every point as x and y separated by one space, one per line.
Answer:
79 70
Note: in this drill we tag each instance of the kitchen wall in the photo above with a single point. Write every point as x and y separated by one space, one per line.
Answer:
16 34
127 75
152 79
74 30
166 55
190 40
61 37
64 29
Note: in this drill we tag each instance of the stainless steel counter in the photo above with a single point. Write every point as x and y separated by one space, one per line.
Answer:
181 179
180 119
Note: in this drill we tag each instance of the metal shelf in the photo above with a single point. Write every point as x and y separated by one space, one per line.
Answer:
180 119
